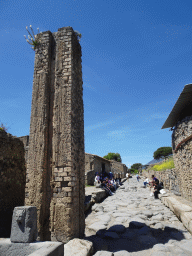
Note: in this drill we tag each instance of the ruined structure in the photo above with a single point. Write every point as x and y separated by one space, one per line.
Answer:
94 163
118 169
12 179
55 165
180 120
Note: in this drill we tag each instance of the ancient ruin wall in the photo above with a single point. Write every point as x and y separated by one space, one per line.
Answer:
55 172
25 140
118 169
182 155
93 164
12 179
168 177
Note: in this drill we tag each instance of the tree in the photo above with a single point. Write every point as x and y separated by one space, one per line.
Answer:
133 171
162 152
113 156
136 166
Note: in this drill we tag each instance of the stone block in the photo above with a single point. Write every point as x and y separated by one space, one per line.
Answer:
24 224
186 217
78 247
179 208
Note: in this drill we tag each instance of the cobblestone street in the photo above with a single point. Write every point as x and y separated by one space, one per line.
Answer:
131 222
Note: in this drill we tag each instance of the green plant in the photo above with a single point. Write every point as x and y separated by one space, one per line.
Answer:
78 35
134 171
162 152
3 128
136 166
168 164
34 40
113 156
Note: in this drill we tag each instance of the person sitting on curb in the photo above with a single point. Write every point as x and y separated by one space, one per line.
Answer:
146 181
109 185
157 188
97 179
110 175
113 183
106 188
154 179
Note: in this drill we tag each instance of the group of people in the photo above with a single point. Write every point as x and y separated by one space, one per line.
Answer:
107 182
155 185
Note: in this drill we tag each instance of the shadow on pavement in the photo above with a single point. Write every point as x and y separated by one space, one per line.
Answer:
137 237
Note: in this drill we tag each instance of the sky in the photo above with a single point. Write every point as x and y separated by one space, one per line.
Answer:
136 60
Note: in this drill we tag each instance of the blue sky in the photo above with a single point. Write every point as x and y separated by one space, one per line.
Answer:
136 59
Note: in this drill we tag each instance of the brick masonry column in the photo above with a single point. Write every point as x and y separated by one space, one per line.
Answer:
55 172
67 206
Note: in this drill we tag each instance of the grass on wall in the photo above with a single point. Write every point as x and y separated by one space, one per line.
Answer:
168 164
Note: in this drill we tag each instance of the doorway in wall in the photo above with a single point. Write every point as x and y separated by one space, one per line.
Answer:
103 169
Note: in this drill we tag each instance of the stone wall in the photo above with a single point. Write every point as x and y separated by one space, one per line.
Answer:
118 169
93 164
182 154
168 177
90 177
25 140
12 179
56 159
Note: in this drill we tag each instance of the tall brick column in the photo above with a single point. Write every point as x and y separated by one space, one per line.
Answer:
55 171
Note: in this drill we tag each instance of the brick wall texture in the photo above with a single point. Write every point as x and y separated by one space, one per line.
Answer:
55 167
12 179
183 156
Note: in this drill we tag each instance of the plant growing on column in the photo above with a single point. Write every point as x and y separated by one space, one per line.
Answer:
34 40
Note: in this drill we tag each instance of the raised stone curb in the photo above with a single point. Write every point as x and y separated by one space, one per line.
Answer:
97 196
181 208
32 249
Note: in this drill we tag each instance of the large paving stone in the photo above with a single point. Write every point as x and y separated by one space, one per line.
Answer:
78 247
117 228
122 204
129 234
161 247
121 219
186 246
136 224
149 214
122 253
147 240
103 253
97 208
158 217
104 218
110 209
96 227
158 226
121 214
111 235
144 231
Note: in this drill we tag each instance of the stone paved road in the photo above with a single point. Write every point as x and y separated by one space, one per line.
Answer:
133 223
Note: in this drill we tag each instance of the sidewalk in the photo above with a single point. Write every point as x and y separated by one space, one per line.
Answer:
180 206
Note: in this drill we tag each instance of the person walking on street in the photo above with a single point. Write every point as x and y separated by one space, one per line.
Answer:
127 176
137 176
